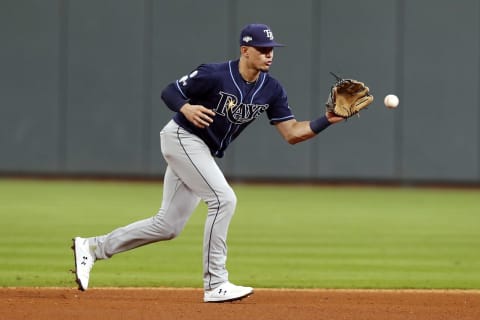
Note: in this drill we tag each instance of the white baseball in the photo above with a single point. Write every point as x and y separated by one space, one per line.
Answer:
391 101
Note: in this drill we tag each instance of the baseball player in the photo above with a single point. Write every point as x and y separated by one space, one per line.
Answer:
213 104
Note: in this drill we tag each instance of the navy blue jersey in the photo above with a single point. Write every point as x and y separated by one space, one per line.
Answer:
236 103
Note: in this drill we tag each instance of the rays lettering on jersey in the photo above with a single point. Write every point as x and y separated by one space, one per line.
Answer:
238 113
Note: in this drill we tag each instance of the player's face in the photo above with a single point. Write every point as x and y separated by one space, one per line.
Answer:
260 58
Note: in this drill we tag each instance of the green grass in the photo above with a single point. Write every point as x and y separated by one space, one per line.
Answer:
280 236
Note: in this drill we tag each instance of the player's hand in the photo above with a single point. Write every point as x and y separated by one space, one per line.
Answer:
198 115
333 118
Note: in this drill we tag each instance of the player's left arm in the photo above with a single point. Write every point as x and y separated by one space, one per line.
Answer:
294 131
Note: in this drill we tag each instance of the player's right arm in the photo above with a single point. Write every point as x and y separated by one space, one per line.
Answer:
200 116
177 97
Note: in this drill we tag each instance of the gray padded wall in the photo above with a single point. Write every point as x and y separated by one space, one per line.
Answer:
105 86
80 85
439 141
29 86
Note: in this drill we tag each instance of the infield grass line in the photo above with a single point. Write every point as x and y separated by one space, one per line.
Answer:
280 237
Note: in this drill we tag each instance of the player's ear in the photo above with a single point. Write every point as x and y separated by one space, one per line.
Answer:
243 50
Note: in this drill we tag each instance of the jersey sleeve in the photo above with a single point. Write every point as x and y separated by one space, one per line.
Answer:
195 84
173 97
279 110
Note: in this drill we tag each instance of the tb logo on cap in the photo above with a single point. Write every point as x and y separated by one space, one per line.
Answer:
268 33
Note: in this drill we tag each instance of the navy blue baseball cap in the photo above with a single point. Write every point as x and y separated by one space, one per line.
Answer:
258 35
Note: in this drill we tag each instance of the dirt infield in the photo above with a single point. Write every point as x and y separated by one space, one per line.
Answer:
265 304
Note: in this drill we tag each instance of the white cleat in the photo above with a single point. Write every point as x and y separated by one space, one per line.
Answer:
227 292
84 260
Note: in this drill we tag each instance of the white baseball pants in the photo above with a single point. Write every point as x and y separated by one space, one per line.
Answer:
192 174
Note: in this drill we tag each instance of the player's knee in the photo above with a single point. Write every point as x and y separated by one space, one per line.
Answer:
165 230
225 201
228 200
172 234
